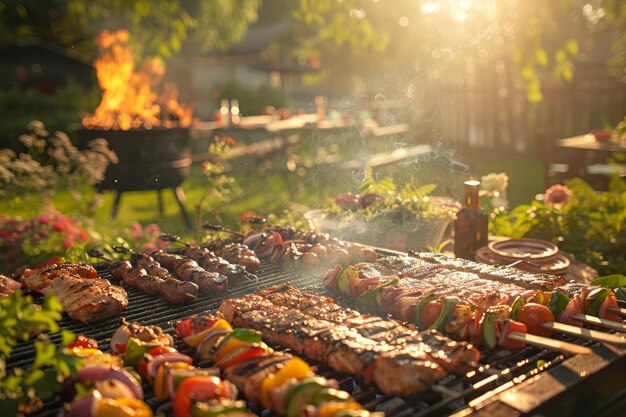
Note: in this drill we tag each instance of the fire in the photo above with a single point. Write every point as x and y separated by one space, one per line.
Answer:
129 98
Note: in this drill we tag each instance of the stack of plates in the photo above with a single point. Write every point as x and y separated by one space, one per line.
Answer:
532 255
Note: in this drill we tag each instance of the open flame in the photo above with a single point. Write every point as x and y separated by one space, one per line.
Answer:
129 98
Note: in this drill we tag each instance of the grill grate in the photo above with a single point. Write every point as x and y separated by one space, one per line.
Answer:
499 370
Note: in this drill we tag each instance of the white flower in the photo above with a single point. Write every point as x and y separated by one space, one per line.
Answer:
494 183
500 202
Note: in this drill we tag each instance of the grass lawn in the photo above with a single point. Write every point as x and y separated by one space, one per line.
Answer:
266 193
266 187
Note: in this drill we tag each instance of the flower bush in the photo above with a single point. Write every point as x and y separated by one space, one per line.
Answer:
41 239
51 163
140 238
589 224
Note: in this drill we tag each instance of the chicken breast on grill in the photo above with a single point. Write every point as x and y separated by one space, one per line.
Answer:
85 297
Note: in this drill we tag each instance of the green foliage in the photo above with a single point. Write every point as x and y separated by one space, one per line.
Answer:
21 391
221 188
52 163
58 110
591 225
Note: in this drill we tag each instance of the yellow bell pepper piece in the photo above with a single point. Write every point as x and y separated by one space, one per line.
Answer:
123 407
294 368
330 409
160 381
194 340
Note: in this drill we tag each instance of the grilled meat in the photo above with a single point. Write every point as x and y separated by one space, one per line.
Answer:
188 270
173 290
445 352
49 273
8 285
236 253
213 263
495 273
84 297
303 328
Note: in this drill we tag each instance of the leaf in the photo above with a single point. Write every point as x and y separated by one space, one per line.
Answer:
67 337
542 57
610 281
620 293
572 46
44 353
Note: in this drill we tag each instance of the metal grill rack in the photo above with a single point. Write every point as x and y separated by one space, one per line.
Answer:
506 383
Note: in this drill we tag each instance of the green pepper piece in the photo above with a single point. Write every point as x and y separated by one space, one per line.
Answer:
369 297
214 408
558 302
419 307
595 299
516 307
245 335
488 336
135 349
446 309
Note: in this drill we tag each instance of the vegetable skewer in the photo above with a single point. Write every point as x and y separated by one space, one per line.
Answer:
430 296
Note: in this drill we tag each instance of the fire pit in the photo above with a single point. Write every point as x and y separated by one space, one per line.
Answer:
154 159
147 130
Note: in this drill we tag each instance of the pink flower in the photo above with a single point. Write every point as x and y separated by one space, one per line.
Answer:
67 244
43 219
83 235
135 226
153 228
149 247
58 225
558 195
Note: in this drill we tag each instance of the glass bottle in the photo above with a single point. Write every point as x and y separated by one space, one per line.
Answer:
225 112
235 116
471 224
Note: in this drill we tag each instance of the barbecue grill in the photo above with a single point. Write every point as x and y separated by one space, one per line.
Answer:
509 383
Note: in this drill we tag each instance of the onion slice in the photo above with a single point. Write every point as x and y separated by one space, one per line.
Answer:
86 406
101 372
120 338
154 364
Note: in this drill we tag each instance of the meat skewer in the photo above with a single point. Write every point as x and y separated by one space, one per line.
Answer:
211 262
173 290
84 296
189 270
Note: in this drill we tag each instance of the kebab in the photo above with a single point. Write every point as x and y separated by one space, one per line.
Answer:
173 290
210 261
189 270
276 380
106 387
310 248
84 296
233 251
345 349
430 297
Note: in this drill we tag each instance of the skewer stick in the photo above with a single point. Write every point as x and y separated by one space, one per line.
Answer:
617 310
191 296
585 333
547 343
610 324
